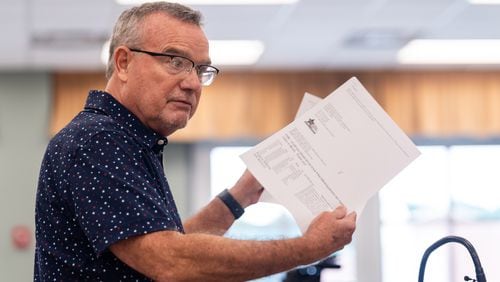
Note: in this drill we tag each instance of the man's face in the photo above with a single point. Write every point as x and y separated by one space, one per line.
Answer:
164 101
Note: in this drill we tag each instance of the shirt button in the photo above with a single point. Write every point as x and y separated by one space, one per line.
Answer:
160 142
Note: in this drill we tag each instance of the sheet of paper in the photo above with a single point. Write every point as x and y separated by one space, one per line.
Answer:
308 101
341 151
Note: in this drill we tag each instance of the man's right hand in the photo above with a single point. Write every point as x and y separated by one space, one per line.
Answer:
331 231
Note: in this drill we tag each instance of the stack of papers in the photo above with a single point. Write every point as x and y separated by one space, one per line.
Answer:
339 150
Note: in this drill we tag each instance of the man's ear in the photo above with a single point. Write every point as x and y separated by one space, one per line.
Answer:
122 60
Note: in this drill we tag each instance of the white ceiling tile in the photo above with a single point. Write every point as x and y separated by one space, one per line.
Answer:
72 15
13 28
477 21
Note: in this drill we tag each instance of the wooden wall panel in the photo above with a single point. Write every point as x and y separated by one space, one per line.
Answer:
402 109
70 93
254 105
492 101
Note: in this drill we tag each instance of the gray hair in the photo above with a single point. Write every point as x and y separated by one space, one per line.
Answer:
127 30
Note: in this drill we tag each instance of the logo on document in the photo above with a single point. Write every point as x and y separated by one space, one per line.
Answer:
312 126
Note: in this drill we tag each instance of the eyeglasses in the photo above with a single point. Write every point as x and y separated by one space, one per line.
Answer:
177 64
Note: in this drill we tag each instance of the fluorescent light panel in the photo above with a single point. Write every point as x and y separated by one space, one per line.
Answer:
216 2
222 52
235 52
485 2
481 51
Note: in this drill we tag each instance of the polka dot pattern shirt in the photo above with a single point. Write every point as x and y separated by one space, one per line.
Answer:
101 181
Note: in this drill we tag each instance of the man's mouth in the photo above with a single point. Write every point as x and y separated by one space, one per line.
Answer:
182 103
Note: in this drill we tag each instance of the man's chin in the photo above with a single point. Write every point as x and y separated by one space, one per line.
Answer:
170 127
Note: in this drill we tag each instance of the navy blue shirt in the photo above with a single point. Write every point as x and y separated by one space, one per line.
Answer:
101 181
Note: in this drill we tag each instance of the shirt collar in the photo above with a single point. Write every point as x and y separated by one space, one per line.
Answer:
105 103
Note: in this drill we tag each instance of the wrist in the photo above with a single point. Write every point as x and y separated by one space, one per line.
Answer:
240 196
231 203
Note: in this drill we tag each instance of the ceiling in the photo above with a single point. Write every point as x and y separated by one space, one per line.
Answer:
310 34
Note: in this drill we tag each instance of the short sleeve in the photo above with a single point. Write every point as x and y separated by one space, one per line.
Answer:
115 193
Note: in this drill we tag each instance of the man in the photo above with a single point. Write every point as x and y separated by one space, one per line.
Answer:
104 209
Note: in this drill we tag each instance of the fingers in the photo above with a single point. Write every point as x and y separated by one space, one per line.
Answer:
352 216
333 229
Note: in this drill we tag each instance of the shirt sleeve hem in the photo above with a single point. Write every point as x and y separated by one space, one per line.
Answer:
102 245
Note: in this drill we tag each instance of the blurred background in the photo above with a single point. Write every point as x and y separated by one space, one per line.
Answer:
434 66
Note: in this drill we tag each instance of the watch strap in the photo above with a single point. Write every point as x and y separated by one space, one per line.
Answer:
236 209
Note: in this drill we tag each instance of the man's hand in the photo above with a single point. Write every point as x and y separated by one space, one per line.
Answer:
331 231
247 190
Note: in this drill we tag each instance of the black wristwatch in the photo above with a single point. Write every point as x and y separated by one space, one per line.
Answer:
231 203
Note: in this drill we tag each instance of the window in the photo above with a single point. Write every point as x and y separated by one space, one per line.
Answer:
260 221
448 190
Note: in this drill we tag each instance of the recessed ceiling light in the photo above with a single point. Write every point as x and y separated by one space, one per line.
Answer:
235 52
216 2
455 51
377 39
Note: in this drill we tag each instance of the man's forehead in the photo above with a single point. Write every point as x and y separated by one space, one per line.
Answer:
169 35
168 29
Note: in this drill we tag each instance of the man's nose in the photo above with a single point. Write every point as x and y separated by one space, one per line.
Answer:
192 80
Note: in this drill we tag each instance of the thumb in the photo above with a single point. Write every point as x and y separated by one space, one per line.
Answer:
340 212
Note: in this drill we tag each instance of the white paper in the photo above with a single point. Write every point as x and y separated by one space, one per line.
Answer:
341 151
308 101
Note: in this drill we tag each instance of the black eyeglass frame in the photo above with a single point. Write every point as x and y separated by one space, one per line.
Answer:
172 56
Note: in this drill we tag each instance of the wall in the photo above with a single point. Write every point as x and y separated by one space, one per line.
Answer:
256 104
24 116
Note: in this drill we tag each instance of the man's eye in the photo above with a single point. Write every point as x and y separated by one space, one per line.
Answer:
177 63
